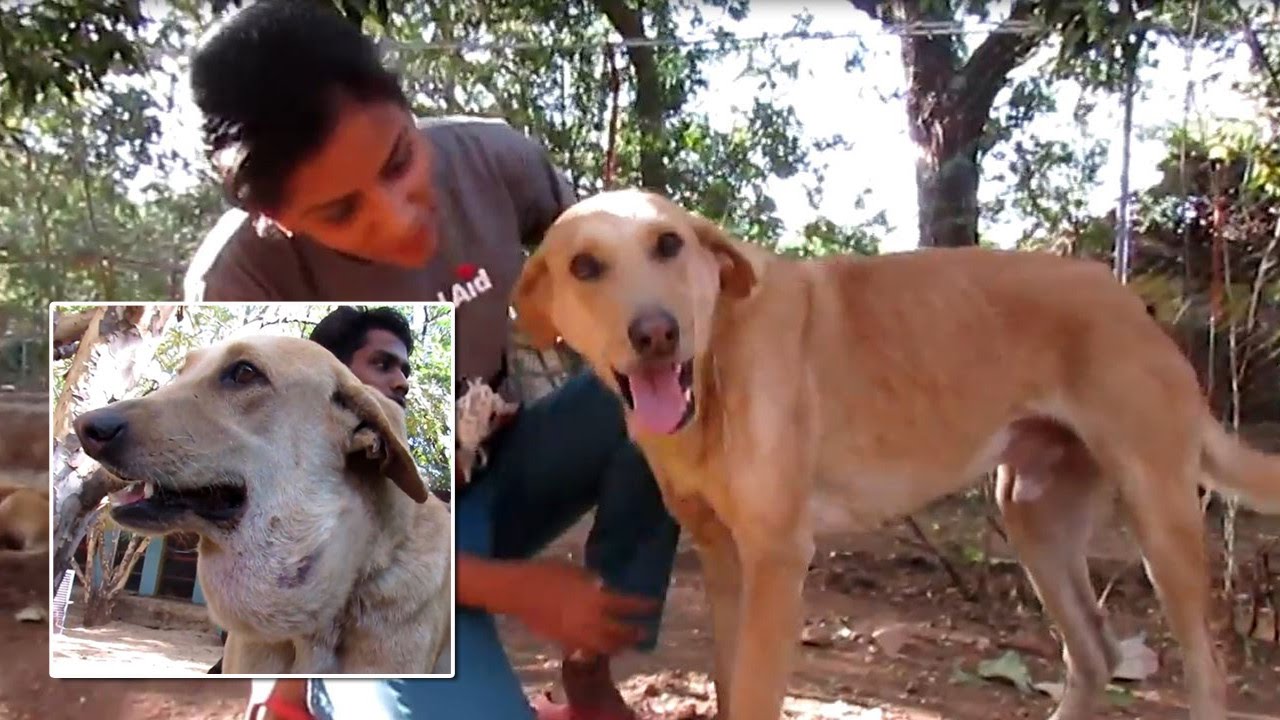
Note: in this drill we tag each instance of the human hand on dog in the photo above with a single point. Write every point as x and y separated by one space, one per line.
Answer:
565 603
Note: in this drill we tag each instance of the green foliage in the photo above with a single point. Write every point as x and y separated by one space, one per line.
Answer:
1050 188
85 213
55 48
550 79
94 206
823 237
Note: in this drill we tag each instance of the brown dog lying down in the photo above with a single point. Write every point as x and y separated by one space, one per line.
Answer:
776 398
25 441
321 550
24 519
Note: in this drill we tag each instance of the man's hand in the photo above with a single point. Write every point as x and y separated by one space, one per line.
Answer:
565 603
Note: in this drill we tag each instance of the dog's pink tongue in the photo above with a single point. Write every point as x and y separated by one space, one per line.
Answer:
658 399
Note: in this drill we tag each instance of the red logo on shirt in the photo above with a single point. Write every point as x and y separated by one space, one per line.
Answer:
466 271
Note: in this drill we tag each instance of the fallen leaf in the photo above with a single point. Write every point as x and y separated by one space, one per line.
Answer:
1137 660
892 638
1054 690
960 676
816 637
1119 696
1010 667
31 614
823 634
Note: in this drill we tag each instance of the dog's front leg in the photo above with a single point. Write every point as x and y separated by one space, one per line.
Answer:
771 616
722 580
722 576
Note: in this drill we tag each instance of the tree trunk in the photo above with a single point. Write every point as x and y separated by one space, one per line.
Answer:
117 343
947 176
649 103
102 590
98 609
948 103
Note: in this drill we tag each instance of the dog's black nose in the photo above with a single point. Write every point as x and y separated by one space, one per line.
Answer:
101 431
654 334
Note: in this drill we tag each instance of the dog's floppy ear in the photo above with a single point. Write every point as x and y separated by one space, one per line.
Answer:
737 275
378 435
532 301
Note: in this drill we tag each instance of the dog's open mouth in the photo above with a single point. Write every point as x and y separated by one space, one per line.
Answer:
146 504
660 398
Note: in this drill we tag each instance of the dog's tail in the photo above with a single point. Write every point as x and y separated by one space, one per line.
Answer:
1235 468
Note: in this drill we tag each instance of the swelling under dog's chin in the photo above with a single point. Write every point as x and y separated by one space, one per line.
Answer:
278 576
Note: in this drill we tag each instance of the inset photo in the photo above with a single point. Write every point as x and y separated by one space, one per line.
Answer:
251 490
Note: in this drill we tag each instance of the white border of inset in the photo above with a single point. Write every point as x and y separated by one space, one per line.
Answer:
453 520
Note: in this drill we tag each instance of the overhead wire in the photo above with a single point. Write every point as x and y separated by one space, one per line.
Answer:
729 41
922 29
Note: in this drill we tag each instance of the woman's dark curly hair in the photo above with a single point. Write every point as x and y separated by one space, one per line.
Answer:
269 83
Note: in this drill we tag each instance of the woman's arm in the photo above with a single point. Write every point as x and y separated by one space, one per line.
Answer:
487 585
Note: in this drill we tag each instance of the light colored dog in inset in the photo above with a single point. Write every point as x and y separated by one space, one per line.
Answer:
777 398
321 549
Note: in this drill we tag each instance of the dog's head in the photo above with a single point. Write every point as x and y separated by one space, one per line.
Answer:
262 435
631 281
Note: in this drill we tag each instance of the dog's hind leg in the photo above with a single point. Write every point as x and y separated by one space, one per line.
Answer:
1160 500
1050 534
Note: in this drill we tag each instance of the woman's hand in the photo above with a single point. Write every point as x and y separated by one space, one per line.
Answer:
565 603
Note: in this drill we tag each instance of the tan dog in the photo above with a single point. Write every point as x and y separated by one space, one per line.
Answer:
25 442
24 519
321 549
777 398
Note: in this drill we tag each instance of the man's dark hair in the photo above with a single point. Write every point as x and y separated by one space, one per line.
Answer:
343 331
269 83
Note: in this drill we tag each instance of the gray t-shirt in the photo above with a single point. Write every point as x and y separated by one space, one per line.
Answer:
496 193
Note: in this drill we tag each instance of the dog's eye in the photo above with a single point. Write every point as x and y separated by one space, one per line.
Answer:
241 372
668 246
585 266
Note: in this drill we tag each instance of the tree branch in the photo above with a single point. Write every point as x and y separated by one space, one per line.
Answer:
987 69
930 61
1258 53
629 24
71 326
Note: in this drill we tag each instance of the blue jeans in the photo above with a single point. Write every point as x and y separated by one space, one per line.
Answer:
560 457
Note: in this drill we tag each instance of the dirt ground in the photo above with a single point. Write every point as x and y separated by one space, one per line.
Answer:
890 638
127 649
